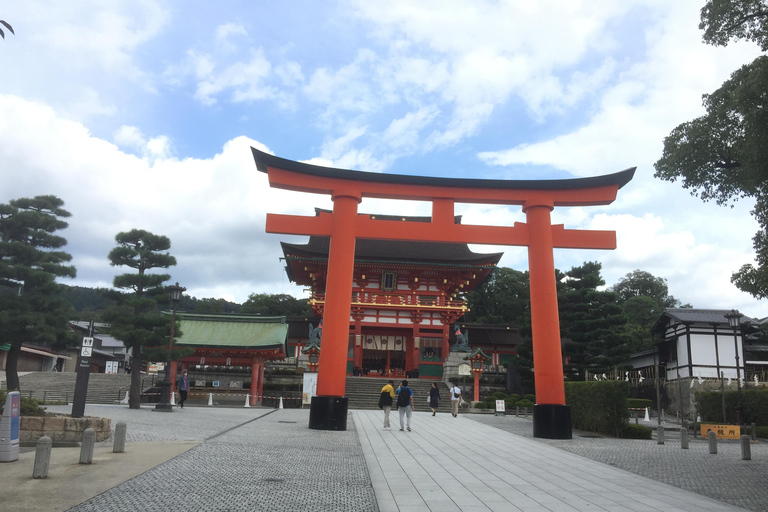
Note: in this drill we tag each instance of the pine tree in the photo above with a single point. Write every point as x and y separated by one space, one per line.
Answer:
592 320
31 309
136 319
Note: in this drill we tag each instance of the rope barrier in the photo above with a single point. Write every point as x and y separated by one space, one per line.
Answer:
189 395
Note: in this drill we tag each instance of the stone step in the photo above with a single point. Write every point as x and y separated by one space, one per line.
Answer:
60 387
363 392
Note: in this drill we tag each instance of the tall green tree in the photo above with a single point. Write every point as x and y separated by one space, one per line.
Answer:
31 309
592 320
504 298
280 304
723 155
136 319
640 283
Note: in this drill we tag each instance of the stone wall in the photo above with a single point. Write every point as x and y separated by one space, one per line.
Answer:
63 430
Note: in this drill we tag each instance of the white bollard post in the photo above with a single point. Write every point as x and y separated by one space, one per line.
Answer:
647 415
247 400
281 403
173 398
119 445
210 398
125 400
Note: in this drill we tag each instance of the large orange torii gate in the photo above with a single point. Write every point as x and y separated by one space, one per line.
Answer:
551 417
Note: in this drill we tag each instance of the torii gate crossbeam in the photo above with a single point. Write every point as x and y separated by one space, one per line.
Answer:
537 198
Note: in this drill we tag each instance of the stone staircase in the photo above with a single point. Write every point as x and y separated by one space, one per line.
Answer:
364 392
60 387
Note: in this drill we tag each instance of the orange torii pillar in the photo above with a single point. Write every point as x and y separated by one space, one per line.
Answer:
551 416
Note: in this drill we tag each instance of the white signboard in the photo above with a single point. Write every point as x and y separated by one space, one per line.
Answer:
86 351
111 367
500 406
465 369
87 342
310 387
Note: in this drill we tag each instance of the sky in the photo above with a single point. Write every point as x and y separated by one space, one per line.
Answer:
141 114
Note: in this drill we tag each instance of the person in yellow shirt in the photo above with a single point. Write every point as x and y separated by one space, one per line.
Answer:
385 401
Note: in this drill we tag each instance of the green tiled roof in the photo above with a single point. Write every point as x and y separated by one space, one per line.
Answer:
232 331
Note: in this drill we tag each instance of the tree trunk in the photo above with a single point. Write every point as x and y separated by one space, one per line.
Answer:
11 365
134 400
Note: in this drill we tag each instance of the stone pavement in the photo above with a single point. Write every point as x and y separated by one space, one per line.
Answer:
220 459
723 476
450 464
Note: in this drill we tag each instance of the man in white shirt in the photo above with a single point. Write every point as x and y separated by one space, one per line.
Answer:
455 400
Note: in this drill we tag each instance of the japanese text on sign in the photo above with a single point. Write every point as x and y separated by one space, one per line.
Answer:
722 431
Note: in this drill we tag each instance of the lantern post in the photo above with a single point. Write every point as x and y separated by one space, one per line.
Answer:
477 358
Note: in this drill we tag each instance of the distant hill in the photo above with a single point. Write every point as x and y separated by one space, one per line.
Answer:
85 299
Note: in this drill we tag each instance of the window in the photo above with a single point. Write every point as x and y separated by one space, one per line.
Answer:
388 281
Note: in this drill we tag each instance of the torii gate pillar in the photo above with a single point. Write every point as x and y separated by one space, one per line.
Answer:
551 416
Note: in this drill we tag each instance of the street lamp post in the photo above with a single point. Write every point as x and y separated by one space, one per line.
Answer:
164 405
734 320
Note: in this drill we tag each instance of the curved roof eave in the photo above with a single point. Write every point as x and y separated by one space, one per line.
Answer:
264 160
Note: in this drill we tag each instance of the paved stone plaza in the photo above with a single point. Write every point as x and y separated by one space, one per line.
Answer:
265 459
723 476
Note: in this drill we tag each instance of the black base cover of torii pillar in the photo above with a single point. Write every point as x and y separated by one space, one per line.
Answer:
328 413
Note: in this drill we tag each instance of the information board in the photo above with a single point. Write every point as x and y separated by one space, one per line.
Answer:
721 431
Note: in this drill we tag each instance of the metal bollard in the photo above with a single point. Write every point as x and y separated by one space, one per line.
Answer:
525 413
712 440
754 432
86 450
746 449
42 457
660 434
119 445
684 438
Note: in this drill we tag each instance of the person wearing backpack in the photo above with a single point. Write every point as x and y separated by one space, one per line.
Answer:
385 401
404 404
455 393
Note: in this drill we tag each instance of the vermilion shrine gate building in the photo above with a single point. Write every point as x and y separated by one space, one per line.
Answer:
405 298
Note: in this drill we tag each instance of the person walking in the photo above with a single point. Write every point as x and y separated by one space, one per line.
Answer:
385 401
404 404
434 397
183 387
455 400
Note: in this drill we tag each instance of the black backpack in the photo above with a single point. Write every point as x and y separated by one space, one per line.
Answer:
385 400
404 397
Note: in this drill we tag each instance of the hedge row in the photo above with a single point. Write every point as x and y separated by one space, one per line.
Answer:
639 403
755 402
599 406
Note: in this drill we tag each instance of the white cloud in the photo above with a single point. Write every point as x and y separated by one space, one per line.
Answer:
213 209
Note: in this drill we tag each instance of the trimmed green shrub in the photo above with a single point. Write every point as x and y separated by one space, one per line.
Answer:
524 403
632 431
639 403
514 397
499 395
29 406
755 402
762 432
481 405
598 406
530 397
